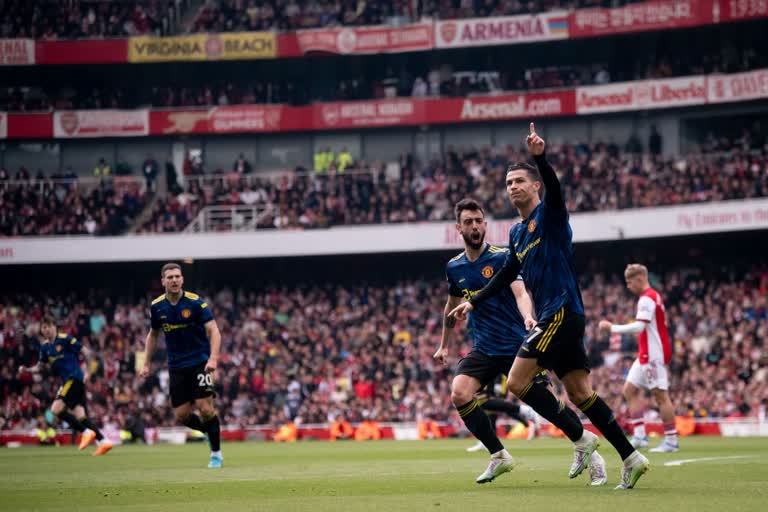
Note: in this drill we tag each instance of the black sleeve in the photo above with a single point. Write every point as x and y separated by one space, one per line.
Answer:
501 280
553 198
453 288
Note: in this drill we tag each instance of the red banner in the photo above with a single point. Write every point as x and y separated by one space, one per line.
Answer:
30 126
354 114
662 14
100 123
527 28
84 51
737 10
738 87
507 106
625 96
231 119
363 40
17 52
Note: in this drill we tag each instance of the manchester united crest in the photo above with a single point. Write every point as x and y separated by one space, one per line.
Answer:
532 226
487 271
185 313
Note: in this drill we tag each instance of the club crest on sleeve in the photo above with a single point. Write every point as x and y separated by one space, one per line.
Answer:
487 271
58 348
186 313
532 226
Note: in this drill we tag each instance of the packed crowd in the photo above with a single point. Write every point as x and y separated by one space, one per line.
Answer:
70 19
596 177
239 15
397 80
56 19
62 205
318 351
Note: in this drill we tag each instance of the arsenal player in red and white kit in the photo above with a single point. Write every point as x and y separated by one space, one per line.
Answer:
649 371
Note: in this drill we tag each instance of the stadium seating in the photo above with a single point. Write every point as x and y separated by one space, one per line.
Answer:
56 19
597 177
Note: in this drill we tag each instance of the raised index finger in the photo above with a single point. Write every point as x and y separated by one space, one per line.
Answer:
532 128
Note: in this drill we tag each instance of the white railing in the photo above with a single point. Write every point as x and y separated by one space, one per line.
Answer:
230 218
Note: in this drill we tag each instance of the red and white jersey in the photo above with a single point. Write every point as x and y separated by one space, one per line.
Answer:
653 342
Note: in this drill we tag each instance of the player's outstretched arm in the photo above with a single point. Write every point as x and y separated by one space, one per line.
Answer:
631 328
214 336
503 279
149 348
449 322
554 193
524 303
30 369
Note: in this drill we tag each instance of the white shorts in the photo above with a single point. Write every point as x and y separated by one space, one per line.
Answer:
652 375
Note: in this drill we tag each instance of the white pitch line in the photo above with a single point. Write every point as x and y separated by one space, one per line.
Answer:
680 462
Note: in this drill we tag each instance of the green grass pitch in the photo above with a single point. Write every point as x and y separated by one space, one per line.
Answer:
384 475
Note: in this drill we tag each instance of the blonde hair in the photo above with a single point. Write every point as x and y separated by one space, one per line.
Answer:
636 269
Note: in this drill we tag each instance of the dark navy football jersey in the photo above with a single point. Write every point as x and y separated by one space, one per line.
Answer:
543 245
62 355
184 326
495 326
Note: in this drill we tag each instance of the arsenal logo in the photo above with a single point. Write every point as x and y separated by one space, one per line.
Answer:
272 118
487 271
448 31
213 47
69 122
185 313
532 226
330 114
643 93
346 41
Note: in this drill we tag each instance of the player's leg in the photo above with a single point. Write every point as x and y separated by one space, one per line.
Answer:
634 394
534 391
91 433
580 392
186 417
212 429
474 370
463 390
499 405
204 394
659 386
183 388
69 397
59 409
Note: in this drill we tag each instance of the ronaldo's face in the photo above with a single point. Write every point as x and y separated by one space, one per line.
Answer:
521 188
173 281
472 227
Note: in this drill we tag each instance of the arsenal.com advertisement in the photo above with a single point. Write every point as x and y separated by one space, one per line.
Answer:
100 123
